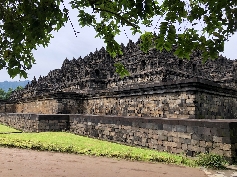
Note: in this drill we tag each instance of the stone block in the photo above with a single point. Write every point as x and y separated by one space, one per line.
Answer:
160 142
219 145
226 147
223 132
170 138
201 130
228 140
167 127
184 135
207 137
154 141
229 153
194 142
209 144
207 131
172 134
181 128
217 150
176 139
171 144
194 148
163 137
184 147
217 139
192 129
150 125
202 143
155 136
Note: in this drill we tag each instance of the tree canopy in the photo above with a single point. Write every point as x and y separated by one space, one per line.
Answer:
26 24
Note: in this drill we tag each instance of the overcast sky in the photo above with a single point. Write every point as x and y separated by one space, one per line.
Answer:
66 45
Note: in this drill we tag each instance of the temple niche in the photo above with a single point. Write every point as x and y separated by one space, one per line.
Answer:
90 85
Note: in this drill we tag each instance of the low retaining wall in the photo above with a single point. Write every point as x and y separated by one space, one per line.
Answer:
188 136
23 122
36 122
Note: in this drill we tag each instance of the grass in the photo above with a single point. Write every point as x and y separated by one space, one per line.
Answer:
5 129
70 143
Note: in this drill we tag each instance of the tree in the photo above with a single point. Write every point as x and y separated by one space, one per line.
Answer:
8 93
28 23
19 88
5 95
2 94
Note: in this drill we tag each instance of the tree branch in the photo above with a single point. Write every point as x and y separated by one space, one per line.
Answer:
119 16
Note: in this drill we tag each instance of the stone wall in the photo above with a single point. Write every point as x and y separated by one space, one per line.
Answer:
2 106
36 122
188 136
55 122
47 106
23 122
6 107
166 105
216 105
190 98
71 105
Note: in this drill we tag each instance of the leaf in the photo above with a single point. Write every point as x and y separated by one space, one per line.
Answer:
120 69
167 46
146 41
6 54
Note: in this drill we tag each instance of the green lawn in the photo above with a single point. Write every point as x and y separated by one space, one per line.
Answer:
70 143
5 129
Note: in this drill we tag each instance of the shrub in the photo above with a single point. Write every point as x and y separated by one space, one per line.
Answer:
211 161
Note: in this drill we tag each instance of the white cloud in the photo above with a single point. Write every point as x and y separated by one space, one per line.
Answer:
65 44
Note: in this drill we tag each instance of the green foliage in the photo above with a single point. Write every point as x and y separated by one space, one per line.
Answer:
5 95
145 46
29 23
19 88
24 25
2 94
121 69
211 161
8 93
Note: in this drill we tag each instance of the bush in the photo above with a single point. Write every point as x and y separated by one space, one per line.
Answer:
213 161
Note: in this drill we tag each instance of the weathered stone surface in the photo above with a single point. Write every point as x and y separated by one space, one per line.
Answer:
113 128
36 122
159 85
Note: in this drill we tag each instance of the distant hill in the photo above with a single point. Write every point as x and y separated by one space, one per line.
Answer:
12 84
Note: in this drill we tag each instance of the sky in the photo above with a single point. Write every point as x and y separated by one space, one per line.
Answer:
66 45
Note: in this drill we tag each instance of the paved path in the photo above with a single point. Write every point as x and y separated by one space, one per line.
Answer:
220 173
25 163
21 162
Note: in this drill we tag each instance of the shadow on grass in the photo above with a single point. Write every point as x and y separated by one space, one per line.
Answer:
9 132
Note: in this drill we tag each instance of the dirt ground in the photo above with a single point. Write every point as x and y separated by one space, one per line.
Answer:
29 163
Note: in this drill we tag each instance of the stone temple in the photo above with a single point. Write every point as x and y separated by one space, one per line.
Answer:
159 85
165 103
